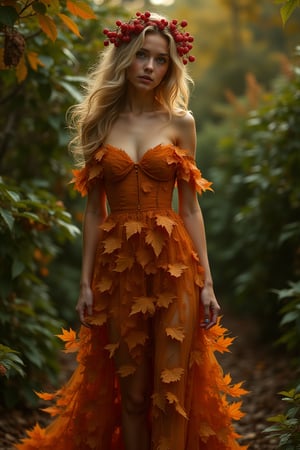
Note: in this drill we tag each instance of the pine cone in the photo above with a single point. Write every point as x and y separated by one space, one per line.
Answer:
14 46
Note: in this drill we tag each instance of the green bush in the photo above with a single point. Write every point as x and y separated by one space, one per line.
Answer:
32 224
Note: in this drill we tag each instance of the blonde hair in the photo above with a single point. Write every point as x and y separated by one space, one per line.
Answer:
105 92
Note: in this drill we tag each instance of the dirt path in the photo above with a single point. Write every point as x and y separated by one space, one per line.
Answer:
264 371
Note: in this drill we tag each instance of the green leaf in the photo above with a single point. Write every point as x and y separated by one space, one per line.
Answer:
8 15
287 9
8 218
17 268
39 7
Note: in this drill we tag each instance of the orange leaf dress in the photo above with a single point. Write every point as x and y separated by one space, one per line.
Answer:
147 280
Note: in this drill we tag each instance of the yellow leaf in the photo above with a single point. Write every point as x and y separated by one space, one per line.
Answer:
205 431
21 70
164 444
164 299
133 227
81 9
34 60
176 269
112 348
166 223
176 333
104 284
171 375
107 226
234 410
48 26
143 256
70 24
136 337
173 399
97 319
143 305
67 336
111 244
124 262
45 395
156 240
126 370
159 401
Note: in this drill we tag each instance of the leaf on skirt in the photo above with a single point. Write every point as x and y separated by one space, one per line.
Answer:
205 431
143 305
234 410
45 395
107 226
52 410
37 434
111 244
171 375
159 401
165 222
234 390
176 333
126 370
156 239
104 284
164 299
112 348
70 340
222 343
133 227
135 337
176 269
196 357
124 262
164 444
173 399
97 319
143 256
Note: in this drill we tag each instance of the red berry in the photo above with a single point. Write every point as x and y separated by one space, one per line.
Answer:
185 61
175 21
118 23
192 58
138 14
191 39
106 31
147 14
183 23
106 43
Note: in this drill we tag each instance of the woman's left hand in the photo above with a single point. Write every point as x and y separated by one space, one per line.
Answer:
211 307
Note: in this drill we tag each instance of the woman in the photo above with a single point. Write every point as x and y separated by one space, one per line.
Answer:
147 377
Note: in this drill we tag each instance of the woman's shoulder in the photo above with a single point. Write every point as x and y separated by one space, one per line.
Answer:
185 131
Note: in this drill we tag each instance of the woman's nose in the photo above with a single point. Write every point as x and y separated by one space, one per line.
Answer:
149 64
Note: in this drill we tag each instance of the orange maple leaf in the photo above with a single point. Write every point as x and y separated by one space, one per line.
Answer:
45 395
156 239
159 401
135 337
107 226
176 269
133 227
164 299
37 433
176 333
70 340
164 444
171 375
143 305
81 9
205 431
124 262
222 343
234 410
143 256
173 399
104 284
112 348
111 244
165 222
126 370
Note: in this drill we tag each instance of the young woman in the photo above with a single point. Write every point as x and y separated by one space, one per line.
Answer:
147 376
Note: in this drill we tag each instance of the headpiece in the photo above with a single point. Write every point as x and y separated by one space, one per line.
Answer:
126 30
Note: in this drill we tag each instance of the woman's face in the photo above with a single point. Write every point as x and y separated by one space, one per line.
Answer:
150 63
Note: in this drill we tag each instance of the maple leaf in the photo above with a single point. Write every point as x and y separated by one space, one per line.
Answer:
156 239
97 319
104 284
196 357
143 305
136 337
111 244
45 395
143 256
133 227
107 226
164 444
112 348
222 343
159 401
165 222
176 269
234 410
173 399
124 262
37 433
205 431
126 370
176 333
52 410
70 340
171 375
164 299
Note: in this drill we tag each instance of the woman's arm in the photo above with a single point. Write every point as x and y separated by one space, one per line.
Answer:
95 214
190 211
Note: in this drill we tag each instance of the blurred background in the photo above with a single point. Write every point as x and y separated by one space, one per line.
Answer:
246 102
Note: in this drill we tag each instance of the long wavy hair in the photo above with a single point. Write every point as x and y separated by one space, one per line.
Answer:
105 93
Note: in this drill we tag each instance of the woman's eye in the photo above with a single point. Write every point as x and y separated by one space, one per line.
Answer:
161 60
140 54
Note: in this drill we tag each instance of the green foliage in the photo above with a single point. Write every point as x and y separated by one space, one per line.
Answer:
287 9
32 225
287 426
290 316
10 361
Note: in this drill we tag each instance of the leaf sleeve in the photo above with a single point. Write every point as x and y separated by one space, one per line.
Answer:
85 177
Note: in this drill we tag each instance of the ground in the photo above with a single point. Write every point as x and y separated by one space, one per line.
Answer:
264 369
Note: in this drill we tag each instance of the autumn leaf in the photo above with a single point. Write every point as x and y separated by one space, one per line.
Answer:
135 337
196 357
156 240
70 24
176 269
112 348
111 244
81 9
34 60
124 262
107 226
222 343
70 340
143 305
173 399
159 401
171 375
133 227
164 444
48 26
205 431
97 319
165 222
143 256
164 299
126 370
45 395
176 333
104 284
21 70
37 433
52 410
234 410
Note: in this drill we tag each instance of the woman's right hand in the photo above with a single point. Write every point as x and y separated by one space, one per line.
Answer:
84 305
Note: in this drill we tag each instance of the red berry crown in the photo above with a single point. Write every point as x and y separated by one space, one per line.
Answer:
126 30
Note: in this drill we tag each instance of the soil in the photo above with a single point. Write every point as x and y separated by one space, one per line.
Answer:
265 371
